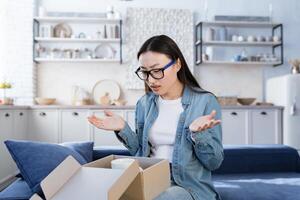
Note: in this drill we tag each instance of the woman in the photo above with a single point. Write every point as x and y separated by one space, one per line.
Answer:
175 120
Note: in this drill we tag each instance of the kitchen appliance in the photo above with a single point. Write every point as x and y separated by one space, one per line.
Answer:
285 91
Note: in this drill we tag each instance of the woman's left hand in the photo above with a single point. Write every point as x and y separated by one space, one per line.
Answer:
204 122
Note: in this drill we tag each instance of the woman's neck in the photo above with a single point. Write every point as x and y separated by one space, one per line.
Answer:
175 93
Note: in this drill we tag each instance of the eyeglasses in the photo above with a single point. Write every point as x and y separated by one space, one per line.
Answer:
155 73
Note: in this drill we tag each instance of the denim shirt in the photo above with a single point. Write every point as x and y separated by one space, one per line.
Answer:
194 157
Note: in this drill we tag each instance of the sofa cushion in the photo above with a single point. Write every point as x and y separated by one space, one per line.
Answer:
259 158
103 151
258 186
36 160
85 149
19 189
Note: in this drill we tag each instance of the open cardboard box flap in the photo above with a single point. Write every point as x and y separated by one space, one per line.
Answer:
153 180
93 181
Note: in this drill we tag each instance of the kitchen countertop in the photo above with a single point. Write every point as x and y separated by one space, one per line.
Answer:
127 107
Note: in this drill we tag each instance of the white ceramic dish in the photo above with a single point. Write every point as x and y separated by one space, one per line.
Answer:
106 86
105 51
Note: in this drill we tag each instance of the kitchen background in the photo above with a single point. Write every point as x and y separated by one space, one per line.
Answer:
56 79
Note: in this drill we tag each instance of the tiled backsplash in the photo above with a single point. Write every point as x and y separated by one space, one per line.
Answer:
17 65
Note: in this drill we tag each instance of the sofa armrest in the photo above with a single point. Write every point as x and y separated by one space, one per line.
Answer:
259 158
102 151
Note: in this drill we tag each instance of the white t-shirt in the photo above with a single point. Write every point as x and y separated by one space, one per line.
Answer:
162 133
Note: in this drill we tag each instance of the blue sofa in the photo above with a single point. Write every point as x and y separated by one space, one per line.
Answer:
266 172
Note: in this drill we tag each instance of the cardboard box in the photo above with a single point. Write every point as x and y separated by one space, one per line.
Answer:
71 180
94 181
153 180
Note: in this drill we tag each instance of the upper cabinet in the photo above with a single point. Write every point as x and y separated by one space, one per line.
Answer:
254 43
77 39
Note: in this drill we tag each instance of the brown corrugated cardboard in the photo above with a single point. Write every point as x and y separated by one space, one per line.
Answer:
153 180
94 181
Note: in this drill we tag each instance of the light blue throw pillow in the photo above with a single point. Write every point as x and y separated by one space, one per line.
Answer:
36 160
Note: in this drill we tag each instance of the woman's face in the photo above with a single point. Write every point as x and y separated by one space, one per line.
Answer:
153 60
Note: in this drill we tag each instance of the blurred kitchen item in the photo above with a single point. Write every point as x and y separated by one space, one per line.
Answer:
260 38
105 51
241 39
251 38
204 57
106 86
117 31
67 53
222 33
244 55
276 38
295 69
42 11
55 53
6 101
104 31
210 34
45 30
285 91
227 100
246 101
237 58
210 53
62 30
80 96
264 104
40 50
76 53
105 99
82 35
44 101
234 38
269 38
119 102
110 12
86 53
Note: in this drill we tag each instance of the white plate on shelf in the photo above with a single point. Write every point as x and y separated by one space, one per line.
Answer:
105 51
106 86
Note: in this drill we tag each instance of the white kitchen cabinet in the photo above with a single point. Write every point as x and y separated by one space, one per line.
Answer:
103 137
265 127
252 126
7 167
43 125
235 126
74 125
20 124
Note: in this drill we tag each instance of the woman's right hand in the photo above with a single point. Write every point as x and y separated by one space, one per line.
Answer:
111 122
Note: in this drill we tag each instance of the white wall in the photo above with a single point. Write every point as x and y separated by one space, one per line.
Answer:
56 79
16 65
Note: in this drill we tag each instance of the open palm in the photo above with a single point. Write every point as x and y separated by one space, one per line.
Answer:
204 122
110 122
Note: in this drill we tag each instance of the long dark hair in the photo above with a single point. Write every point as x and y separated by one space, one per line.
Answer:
165 45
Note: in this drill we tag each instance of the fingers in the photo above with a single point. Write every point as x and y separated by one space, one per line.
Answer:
108 113
201 127
98 122
213 114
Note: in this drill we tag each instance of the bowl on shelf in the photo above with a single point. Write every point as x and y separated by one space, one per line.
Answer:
246 101
44 101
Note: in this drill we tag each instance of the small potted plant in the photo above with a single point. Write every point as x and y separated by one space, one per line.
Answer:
5 100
